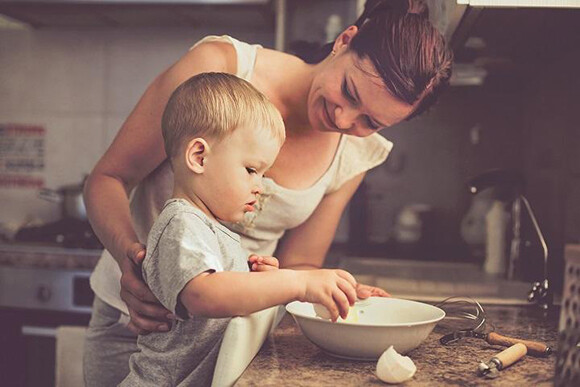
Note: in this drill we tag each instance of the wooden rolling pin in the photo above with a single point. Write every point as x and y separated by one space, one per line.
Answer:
533 347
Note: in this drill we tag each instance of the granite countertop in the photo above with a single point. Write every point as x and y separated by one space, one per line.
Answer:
287 358
41 256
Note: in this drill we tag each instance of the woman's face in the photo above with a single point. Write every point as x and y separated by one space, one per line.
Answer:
348 96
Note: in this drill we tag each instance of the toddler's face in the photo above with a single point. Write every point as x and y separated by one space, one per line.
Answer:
234 170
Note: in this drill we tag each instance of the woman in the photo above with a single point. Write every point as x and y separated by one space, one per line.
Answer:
388 67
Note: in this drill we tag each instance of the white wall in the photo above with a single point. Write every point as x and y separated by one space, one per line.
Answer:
81 85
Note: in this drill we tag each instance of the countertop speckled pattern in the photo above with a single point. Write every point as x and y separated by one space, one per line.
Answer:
287 358
47 257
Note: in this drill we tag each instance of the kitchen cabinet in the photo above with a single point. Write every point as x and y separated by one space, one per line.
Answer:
287 358
254 14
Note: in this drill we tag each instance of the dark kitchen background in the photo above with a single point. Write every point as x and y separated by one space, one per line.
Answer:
71 72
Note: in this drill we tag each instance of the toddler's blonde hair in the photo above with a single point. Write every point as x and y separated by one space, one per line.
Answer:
212 106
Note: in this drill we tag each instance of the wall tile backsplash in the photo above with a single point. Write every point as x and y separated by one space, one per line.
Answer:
80 85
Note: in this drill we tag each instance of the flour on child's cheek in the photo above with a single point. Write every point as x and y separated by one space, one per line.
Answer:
261 203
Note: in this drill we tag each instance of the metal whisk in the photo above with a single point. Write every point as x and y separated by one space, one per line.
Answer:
465 317
463 313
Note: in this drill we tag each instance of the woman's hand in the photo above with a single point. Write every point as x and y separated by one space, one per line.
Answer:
147 314
366 291
263 263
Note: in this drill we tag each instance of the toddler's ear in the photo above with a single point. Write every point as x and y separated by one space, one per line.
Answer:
195 154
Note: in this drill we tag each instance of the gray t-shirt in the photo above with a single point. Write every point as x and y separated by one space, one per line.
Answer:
182 244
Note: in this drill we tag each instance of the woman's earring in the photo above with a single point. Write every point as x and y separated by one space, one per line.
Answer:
332 52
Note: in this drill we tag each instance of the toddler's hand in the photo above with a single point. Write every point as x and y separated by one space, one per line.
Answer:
263 263
335 289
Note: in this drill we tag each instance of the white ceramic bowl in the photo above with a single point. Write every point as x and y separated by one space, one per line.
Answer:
382 322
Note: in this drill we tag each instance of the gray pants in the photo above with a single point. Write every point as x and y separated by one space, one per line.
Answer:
108 346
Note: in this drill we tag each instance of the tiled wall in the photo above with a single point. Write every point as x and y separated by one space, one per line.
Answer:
80 85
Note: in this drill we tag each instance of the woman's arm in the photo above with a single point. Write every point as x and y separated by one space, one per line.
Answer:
136 151
305 246
226 294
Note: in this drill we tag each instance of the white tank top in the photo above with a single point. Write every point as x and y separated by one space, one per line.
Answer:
278 208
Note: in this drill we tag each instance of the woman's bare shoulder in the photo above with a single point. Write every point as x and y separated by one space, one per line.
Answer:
270 57
207 56
272 68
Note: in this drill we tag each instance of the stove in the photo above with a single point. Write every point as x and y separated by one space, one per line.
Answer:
41 287
67 232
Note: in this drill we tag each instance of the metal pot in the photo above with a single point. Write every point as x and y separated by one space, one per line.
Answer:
71 199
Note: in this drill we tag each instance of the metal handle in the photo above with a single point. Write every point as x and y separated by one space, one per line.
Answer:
38 331
538 233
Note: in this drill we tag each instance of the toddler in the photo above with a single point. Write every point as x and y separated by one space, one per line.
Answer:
220 135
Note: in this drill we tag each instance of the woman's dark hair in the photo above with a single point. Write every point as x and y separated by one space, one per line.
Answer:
409 54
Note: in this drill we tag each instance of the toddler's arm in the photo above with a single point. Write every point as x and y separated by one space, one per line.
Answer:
226 294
